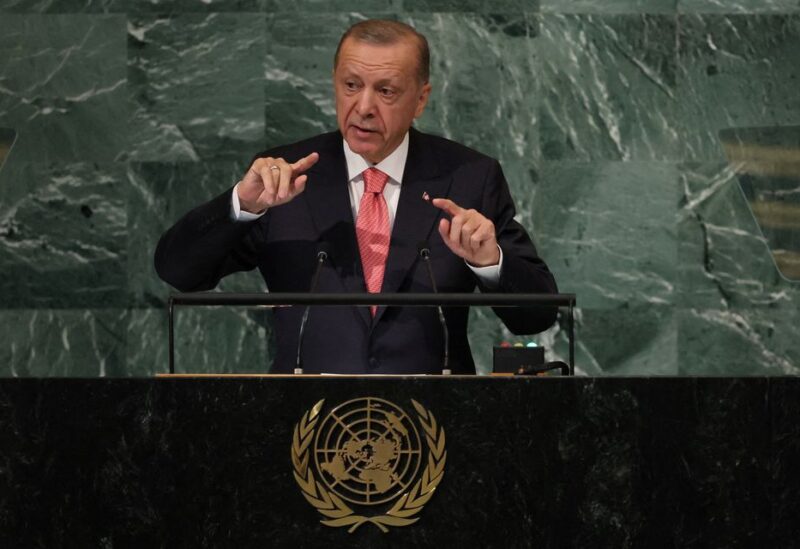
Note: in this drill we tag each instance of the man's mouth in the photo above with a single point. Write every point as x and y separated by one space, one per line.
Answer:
362 130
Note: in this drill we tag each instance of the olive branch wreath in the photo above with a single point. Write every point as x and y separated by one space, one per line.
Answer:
338 512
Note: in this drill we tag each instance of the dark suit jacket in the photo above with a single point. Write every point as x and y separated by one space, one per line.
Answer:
206 245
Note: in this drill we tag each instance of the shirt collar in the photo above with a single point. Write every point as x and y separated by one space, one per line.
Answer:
393 165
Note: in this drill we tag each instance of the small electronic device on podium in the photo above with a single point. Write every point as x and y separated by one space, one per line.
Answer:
528 359
509 359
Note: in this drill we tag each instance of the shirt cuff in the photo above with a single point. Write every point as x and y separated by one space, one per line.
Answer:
490 276
236 209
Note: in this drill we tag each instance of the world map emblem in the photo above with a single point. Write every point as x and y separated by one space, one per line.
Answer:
368 461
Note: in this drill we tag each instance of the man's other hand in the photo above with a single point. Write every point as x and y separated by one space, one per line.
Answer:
468 234
272 181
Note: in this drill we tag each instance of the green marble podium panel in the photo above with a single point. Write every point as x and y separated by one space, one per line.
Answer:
607 116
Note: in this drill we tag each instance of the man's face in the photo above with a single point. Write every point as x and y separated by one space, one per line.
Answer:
378 95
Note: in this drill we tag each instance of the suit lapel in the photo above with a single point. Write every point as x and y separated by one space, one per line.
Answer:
416 217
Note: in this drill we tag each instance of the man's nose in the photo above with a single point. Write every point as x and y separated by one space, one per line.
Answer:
366 103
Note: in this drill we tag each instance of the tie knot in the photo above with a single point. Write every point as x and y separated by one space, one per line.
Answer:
374 180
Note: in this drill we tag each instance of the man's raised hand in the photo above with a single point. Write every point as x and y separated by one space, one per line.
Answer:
272 181
468 234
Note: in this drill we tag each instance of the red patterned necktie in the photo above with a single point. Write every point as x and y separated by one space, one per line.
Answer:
372 230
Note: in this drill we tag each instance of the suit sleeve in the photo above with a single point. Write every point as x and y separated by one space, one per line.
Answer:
523 270
206 245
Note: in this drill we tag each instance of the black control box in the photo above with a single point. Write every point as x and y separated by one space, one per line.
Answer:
509 360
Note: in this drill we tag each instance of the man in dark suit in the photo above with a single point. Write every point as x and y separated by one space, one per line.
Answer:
370 194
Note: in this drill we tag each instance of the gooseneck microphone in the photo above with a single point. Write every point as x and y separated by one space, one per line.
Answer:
322 256
425 254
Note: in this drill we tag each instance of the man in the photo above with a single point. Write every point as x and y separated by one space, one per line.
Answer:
370 194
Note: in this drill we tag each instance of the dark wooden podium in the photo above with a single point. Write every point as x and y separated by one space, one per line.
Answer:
543 462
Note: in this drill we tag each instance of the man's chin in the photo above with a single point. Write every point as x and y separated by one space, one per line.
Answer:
362 147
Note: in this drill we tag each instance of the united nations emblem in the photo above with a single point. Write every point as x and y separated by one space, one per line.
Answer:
367 453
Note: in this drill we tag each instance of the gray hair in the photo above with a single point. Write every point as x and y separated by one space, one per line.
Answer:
386 32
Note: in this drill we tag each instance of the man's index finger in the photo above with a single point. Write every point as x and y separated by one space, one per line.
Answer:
305 163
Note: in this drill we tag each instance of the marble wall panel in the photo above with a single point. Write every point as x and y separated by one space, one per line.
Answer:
735 71
62 235
737 313
739 341
196 98
738 6
626 341
479 6
723 256
207 340
484 92
62 86
609 87
7 138
607 230
310 7
194 6
608 6
66 342
133 6
61 6
132 343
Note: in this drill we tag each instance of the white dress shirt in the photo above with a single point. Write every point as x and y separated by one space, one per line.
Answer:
393 165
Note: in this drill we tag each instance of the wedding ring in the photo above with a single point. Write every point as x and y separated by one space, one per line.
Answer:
274 167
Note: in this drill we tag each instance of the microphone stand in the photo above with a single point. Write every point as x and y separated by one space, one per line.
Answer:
425 254
322 256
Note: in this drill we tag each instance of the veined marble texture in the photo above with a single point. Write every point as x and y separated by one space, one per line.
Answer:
63 234
736 310
7 137
195 100
735 71
67 342
738 6
62 86
606 117
591 68
609 6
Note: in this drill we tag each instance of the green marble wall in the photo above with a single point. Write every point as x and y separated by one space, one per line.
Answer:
606 116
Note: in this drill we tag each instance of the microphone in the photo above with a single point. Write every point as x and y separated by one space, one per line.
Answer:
322 256
425 254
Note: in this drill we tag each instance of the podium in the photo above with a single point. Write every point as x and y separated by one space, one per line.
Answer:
530 462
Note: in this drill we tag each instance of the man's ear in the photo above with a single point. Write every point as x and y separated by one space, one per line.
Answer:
422 101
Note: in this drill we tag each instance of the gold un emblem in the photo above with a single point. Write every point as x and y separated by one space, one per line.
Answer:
367 455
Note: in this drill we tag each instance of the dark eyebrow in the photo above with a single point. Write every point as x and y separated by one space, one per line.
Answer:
387 82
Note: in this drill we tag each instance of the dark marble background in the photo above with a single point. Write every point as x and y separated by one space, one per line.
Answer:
606 116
